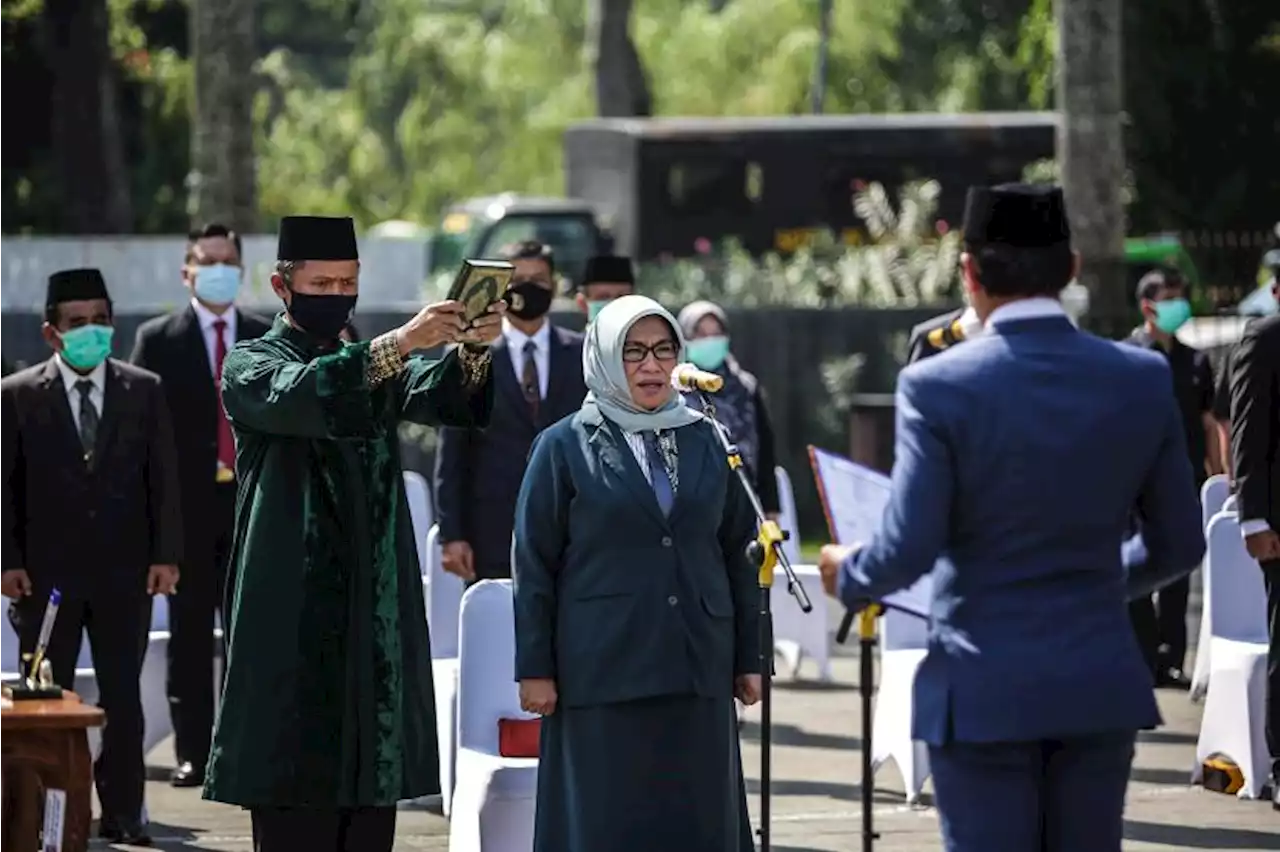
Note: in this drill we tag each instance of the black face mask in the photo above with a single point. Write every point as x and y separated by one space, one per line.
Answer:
528 300
321 316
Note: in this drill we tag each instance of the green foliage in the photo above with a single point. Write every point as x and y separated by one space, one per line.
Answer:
910 261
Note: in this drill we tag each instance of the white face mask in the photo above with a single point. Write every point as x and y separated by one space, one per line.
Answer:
1075 301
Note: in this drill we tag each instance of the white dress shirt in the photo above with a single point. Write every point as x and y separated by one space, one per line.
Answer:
1036 307
98 376
206 319
516 339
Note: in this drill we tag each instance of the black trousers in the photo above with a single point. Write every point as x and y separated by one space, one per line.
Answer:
323 830
115 615
192 648
1271 576
1160 623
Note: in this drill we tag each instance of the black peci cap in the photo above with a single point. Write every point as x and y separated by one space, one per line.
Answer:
1016 215
317 238
73 285
608 269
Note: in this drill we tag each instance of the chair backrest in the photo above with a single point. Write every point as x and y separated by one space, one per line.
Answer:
444 597
419 498
1236 594
787 518
8 644
1229 505
487 689
1213 494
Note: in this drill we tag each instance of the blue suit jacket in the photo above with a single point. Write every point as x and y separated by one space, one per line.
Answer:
615 601
1019 459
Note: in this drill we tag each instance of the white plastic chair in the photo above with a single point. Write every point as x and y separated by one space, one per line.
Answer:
1234 705
1213 496
904 642
797 634
787 515
494 796
419 499
443 597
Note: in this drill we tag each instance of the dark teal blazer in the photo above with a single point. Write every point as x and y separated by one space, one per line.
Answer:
613 600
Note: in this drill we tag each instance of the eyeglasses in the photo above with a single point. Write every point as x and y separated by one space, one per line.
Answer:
663 350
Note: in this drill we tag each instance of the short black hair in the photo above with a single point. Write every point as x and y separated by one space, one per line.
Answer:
530 250
1005 270
1155 282
213 229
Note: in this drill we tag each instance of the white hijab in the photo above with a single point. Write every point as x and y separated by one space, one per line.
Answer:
608 393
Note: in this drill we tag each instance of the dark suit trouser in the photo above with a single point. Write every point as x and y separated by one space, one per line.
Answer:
1160 623
493 569
201 587
1042 796
323 829
116 621
1271 576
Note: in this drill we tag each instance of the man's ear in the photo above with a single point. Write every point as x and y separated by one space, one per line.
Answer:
278 286
969 272
50 335
1075 265
581 301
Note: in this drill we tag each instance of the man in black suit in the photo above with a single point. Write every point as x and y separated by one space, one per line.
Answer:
1255 450
91 507
186 349
538 373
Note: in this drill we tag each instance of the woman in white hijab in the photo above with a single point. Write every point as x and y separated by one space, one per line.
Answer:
636 608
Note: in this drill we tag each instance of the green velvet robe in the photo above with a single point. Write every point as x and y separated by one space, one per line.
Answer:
328 700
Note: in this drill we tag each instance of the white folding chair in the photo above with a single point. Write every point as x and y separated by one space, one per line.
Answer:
797 634
904 642
419 499
1213 496
1230 504
787 515
1234 705
443 594
494 796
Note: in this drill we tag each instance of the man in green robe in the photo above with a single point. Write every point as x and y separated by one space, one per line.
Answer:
328 714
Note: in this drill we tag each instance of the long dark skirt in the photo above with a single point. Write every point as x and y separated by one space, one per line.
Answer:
654 774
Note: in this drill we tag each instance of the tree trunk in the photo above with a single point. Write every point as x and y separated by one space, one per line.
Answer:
622 88
223 180
1091 150
88 148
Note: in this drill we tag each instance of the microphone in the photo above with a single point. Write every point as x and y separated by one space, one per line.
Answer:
687 378
948 335
846 624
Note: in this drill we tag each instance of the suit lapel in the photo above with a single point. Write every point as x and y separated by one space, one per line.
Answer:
114 392
60 407
691 466
616 456
191 339
505 376
556 380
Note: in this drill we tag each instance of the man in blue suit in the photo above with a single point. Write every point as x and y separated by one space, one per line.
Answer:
1020 457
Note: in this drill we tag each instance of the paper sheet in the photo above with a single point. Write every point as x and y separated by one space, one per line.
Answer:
854 498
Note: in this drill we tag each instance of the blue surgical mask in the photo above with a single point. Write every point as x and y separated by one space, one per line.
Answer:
708 353
86 346
1172 314
217 284
594 307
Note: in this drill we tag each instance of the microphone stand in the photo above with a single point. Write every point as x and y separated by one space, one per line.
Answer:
767 554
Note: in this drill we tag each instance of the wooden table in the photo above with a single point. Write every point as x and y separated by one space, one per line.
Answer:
45 744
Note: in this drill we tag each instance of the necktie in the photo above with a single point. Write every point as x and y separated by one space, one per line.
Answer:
529 383
658 476
88 419
226 443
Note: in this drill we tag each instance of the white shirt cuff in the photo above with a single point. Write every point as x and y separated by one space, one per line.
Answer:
1248 528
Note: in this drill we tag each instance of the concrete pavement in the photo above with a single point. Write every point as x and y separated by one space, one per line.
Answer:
816 805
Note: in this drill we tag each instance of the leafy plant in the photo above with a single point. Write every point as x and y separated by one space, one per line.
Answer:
910 261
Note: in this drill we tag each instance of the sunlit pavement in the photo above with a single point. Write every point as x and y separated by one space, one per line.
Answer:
816 804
